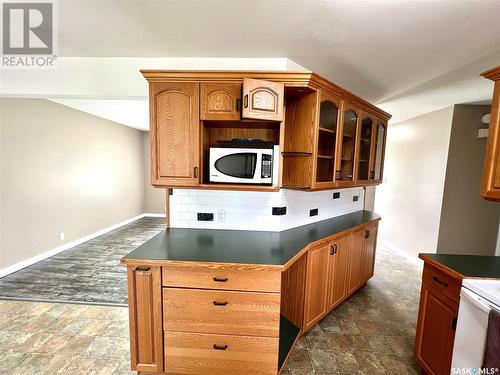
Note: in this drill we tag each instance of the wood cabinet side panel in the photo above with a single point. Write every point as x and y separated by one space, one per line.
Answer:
293 291
145 317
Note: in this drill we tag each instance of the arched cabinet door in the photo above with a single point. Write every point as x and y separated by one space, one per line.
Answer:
174 108
345 164
378 158
262 100
329 113
365 150
220 101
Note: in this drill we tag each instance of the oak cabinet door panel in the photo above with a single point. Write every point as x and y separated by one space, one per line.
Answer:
175 134
220 101
316 285
435 331
337 274
263 100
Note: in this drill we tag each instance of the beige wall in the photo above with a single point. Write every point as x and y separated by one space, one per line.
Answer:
154 198
63 171
469 223
409 200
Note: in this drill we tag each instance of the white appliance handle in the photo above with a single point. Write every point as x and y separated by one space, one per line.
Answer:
477 301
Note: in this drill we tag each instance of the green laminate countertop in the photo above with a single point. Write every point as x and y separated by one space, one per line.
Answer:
240 246
480 266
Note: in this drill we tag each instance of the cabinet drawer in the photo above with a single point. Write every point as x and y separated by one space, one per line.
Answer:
442 282
196 353
221 277
216 311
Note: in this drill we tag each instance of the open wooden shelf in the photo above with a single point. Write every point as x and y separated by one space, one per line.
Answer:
247 187
325 157
289 333
327 130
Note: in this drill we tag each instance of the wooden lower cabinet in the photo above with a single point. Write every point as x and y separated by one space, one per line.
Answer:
316 284
336 269
196 353
437 319
202 318
356 261
145 318
221 311
337 272
370 244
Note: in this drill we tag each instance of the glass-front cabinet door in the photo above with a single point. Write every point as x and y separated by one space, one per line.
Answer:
365 148
345 166
327 132
378 159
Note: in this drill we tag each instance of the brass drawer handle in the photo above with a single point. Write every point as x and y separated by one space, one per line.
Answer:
220 280
440 282
219 303
220 347
367 234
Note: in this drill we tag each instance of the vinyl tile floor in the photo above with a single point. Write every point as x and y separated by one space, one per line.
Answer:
371 333
90 272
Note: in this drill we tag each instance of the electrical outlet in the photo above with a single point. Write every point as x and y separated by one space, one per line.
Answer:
221 215
336 195
313 212
279 211
355 198
61 236
205 216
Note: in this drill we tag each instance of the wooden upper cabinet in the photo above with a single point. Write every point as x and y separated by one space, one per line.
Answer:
329 113
174 109
365 149
263 100
490 186
337 270
220 101
380 137
316 284
346 167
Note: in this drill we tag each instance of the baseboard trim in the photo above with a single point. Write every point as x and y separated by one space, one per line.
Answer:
147 214
400 252
37 258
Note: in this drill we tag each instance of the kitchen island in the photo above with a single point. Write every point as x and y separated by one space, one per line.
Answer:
229 301
442 280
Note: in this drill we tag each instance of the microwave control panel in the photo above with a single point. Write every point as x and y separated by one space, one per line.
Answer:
267 162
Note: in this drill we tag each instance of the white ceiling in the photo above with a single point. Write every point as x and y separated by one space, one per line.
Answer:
408 56
375 48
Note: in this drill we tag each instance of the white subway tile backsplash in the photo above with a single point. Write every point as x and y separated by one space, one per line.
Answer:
253 210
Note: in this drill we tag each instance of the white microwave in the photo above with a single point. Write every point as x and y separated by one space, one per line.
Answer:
244 165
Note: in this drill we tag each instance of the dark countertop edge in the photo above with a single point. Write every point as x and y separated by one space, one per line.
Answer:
427 257
456 275
281 267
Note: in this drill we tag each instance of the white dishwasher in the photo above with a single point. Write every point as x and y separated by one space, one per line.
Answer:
477 298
